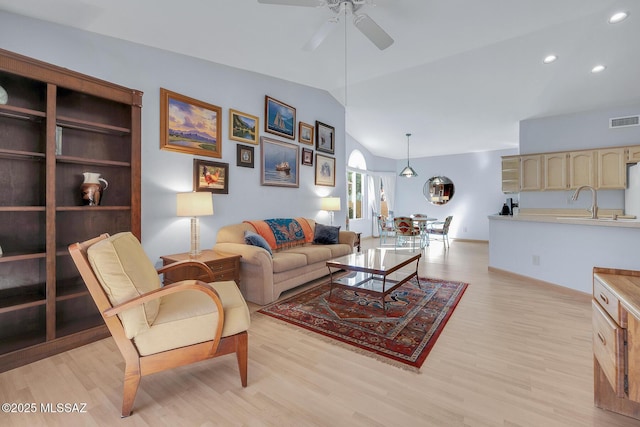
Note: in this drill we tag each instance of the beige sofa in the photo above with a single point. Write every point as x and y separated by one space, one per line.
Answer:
263 277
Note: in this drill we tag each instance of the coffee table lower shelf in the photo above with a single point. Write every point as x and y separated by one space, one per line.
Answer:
374 284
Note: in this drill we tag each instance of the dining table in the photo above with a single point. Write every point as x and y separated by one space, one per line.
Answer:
422 224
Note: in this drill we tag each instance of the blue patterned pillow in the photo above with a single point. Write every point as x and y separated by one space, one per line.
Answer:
251 238
326 234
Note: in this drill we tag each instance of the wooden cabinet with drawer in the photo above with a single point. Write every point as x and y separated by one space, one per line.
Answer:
616 340
224 267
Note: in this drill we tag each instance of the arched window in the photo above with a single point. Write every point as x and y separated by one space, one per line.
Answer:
356 187
357 160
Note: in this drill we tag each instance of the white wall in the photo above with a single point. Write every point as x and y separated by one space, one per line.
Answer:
165 173
566 253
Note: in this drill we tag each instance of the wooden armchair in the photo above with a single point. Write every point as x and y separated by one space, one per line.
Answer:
148 322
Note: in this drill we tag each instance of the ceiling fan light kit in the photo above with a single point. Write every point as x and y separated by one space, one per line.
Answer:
363 22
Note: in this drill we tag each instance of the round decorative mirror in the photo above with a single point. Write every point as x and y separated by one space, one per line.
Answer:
438 190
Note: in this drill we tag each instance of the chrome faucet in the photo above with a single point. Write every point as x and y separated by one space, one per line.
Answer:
594 199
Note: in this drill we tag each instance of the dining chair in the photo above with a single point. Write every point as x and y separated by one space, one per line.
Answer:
404 228
385 229
160 327
440 228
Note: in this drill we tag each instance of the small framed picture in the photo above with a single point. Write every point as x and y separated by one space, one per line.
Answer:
305 133
325 170
280 118
210 176
243 127
325 138
244 156
307 157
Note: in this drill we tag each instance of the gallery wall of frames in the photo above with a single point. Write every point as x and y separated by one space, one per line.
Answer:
193 126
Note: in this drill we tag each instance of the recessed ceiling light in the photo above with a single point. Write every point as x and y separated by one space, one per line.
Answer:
598 69
549 59
618 17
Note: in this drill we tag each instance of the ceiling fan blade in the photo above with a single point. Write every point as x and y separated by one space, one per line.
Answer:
321 34
305 3
372 31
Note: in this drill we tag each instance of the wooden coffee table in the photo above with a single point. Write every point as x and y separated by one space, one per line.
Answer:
376 271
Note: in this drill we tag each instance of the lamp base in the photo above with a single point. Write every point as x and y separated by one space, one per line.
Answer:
195 238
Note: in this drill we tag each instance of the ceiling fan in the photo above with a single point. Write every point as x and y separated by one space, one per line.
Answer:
362 21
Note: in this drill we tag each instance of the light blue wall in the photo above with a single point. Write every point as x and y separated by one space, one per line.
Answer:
478 190
166 173
578 131
477 179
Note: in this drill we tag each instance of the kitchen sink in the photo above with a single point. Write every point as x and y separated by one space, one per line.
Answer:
586 218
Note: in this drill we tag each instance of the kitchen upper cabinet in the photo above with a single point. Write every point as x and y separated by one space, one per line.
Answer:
531 173
612 168
633 154
555 171
582 169
511 174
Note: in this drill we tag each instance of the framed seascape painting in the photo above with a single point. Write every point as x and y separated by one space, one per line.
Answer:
243 127
307 157
210 176
279 163
189 126
244 156
325 138
325 170
305 133
280 118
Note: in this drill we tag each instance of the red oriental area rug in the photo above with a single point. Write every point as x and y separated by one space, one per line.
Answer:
415 317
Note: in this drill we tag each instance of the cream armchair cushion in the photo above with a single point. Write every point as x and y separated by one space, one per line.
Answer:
185 318
125 272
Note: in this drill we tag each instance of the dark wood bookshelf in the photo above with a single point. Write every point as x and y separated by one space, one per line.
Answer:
56 125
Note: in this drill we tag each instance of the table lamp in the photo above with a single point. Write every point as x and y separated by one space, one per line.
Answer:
330 204
194 204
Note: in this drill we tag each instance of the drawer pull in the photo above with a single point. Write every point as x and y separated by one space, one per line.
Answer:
604 298
604 342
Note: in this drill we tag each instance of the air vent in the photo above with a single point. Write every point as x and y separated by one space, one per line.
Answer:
621 122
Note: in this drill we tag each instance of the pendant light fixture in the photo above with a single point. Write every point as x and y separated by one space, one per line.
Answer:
408 171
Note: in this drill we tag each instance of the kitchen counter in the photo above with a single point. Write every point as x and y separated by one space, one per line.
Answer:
561 250
626 222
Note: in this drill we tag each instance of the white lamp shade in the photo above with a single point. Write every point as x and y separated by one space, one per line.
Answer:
330 204
194 204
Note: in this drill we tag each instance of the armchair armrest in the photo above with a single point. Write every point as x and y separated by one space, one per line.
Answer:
188 263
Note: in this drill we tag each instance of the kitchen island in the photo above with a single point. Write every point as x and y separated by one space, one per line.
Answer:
560 249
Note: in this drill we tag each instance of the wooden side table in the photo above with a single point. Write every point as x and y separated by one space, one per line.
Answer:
224 266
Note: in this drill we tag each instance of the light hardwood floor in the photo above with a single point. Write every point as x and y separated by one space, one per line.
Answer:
514 353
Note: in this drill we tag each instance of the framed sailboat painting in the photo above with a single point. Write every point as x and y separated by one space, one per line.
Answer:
279 163
280 118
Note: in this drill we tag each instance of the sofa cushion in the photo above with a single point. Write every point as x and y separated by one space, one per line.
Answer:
125 272
286 260
313 253
254 239
326 234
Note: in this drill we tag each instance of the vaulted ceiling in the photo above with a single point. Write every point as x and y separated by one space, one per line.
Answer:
459 76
